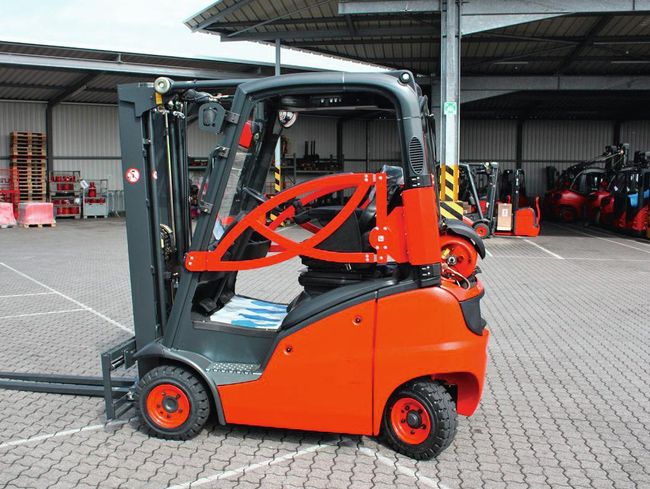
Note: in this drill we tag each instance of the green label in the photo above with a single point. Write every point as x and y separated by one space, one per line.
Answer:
450 108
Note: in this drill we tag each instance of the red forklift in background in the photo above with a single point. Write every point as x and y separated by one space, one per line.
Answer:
515 217
626 209
579 189
510 215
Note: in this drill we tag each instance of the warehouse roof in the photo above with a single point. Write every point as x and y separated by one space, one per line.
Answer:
555 49
46 73
603 42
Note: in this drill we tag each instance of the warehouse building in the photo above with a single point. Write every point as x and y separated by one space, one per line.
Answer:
368 284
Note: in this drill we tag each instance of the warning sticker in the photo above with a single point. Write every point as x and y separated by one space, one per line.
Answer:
132 175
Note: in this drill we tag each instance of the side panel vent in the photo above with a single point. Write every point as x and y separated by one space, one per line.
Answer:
416 155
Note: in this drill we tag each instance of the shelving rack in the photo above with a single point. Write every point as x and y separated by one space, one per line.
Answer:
65 193
95 199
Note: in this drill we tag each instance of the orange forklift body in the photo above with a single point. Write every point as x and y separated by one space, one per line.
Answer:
362 358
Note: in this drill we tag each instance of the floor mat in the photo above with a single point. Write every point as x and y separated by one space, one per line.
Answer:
251 313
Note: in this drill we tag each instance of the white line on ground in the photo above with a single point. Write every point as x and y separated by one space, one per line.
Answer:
427 481
246 468
607 239
527 257
58 434
80 304
41 313
25 295
487 252
607 232
544 249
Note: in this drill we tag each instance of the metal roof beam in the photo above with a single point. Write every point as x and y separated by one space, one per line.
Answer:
425 32
586 41
220 15
79 86
355 7
483 16
491 37
481 87
44 62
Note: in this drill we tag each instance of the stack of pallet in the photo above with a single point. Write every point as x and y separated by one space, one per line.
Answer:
28 160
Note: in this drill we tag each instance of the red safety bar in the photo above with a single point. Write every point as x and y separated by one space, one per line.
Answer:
380 236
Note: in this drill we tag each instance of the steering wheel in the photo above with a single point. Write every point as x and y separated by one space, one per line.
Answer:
258 196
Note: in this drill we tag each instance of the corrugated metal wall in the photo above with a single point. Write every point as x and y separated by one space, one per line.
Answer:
560 144
18 116
86 138
637 133
319 129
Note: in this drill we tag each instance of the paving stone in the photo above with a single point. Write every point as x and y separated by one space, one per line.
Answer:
564 404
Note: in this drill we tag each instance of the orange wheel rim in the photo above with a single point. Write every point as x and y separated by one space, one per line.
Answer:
481 231
410 421
168 406
459 257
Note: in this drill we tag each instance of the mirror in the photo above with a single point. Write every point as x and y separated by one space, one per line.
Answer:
287 118
211 117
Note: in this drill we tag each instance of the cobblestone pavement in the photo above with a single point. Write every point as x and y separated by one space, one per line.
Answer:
567 400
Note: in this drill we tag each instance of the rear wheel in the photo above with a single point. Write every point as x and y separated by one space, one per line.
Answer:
172 402
568 214
482 229
458 255
420 420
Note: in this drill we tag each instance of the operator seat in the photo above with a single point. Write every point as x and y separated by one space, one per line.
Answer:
351 236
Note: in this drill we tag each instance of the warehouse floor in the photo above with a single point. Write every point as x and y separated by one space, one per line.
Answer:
567 400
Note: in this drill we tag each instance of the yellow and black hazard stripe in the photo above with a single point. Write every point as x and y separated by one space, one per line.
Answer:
449 207
277 186
451 210
449 183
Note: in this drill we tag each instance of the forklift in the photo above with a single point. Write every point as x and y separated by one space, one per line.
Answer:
382 340
579 190
510 215
515 217
478 184
626 209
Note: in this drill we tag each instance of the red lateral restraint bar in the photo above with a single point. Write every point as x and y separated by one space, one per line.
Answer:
199 261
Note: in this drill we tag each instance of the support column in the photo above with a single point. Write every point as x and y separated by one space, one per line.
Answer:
519 143
278 148
617 132
49 144
450 108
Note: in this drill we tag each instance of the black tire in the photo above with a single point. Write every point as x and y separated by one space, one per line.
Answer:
568 214
441 410
482 229
190 386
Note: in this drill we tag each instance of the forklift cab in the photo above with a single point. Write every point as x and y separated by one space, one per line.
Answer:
334 359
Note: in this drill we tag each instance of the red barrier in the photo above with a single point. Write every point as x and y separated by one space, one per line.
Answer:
7 214
30 213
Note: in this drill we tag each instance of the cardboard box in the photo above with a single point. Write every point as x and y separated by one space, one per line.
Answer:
504 217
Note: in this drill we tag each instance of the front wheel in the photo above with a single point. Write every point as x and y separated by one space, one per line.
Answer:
420 420
172 402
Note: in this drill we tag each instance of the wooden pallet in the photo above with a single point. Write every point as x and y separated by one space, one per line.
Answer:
30 153
27 134
28 163
27 226
31 197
